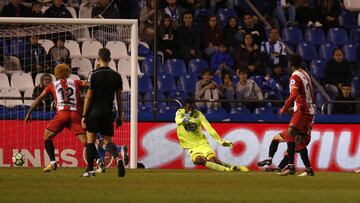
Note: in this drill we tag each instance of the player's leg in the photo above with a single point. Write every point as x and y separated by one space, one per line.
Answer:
305 158
272 150
50 150
90 154
290 169
232 167
204 155
111 148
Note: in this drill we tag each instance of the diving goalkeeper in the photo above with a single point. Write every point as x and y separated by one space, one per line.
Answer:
189 122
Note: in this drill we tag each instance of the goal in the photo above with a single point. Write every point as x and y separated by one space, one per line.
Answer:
30 48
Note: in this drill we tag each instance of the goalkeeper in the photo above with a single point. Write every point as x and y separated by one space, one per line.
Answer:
189 122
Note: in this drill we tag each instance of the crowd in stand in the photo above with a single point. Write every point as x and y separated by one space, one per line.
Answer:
247 60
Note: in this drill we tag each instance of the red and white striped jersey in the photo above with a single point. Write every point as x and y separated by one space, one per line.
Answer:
66 94
301 93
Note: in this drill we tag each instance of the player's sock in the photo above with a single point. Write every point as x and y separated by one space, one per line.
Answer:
50 149
118 147
111 148
283 162
226 164
215 166
291 152
101 153
305 157
90 156
273 148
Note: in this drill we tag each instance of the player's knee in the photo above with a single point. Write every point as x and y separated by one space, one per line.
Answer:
200 160
293 131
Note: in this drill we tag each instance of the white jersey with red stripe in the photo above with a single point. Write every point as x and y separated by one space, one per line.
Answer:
304 101
66 94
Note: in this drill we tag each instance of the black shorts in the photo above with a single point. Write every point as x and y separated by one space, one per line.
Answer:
100 120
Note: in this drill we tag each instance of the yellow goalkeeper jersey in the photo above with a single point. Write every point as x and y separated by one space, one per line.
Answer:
189 133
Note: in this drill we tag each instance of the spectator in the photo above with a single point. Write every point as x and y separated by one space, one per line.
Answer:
257 31
105 10
45 80
247 89
273 52
231 33
222 62
191 5
306 14
36 10
166 37
227 92
58 54
174 11
248 56
337 72
147 15
188 39
282 7
329 11
216 4
57 10
206 89
344 108
15 8
212 36
35 57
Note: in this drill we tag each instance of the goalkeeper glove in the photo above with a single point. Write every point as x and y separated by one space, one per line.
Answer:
187 117
226 143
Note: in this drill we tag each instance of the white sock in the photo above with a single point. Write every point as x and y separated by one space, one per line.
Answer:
52 162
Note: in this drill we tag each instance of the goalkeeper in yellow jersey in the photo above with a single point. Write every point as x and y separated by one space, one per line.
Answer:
189 124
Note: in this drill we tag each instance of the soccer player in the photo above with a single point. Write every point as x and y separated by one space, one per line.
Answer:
98 115
300 148
66 93
189 124
302 96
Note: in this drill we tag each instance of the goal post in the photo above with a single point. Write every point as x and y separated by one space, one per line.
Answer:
116 26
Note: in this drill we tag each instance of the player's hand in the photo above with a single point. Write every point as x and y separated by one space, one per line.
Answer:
27 118
226 144
281 112
83 123
187 117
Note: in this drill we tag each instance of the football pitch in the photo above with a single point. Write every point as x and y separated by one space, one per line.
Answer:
66 185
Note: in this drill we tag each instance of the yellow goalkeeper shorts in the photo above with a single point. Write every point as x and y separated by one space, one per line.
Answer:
202 150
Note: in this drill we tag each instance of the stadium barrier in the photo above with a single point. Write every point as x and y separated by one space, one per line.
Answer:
333 147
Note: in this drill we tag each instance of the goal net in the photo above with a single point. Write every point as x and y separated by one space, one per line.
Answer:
30 48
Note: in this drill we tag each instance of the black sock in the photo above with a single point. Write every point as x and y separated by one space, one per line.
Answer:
111 148
90 156
305 157
50 149
273 148
283 162
291 152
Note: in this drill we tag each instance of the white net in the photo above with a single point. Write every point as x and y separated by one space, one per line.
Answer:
29 53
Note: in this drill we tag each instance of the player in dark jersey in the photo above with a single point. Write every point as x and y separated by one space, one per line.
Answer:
104 83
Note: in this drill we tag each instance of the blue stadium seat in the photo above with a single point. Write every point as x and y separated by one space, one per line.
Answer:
240 110
5 47
166 113
235 79
187 83
144 84
197 66
166 83
307 51
201 16
147 66
337 35
18 47
150 96
216 79
179 95
350 52
292 35
355 35
315 35
355 87
347 19
317 69
325 51
216 114
175 67
223 15
263 110
145 113
319 100
260 81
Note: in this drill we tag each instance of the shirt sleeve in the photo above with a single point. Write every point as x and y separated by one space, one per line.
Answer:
92 81
119 83
49 88
206 125
294 92
179 117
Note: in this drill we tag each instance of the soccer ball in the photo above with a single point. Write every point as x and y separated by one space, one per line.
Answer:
18 159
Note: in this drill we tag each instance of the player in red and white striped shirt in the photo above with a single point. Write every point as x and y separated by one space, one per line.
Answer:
66 94
302 97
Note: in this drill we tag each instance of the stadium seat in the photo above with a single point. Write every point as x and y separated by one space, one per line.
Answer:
175 67
178 95
307 51
118 49
337 35
74 77
112 64
38 76
10 93
197 66
350 52
216 114
325 51
216 79
144 84
85 10
145 113
166 113
264 111
5 47
201 16
166 83
355 35
4 81
235 79
126 85
223 15
319 100
72 11
240 110
21 81
90 49
355 87
147 66
150 96
315 36
292 35
83 64
18 47
47 44
317 69
260 81
28 93
73 47
187 83
347 19
125 69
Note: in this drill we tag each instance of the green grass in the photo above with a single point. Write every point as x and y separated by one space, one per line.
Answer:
65 185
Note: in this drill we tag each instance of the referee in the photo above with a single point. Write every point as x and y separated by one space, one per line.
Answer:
97 115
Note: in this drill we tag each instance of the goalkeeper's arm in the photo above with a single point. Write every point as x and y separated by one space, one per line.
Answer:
206 125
